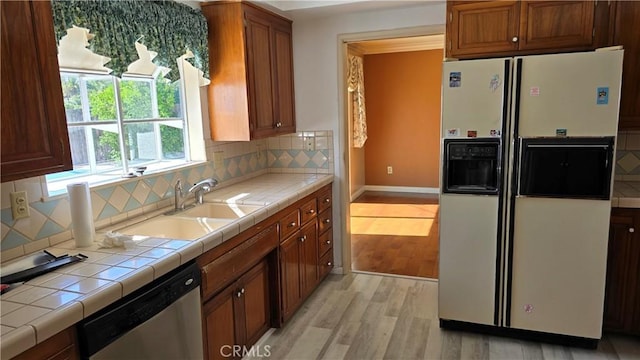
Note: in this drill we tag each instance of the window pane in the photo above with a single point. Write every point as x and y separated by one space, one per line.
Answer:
95 144
141 142
136 99
169 105
102 99
72 98
172 135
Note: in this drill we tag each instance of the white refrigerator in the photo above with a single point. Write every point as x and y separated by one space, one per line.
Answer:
528 153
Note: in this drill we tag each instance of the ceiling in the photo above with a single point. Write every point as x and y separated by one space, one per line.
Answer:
298 9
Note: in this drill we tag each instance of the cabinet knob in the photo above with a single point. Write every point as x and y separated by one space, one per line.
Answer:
328 242
242 291
329 263
326 221
278 124
326 200
311 211
632 230
514 39
292 224
303 238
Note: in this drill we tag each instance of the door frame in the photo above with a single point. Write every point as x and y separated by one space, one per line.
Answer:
344 129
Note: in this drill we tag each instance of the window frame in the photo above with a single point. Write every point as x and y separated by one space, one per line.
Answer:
124 170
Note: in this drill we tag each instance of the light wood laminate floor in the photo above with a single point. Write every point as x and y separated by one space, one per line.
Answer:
395 233
362 316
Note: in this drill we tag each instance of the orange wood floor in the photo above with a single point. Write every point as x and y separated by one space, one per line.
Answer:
395 233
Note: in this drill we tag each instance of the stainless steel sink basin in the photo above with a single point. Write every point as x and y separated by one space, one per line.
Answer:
219 211
174 227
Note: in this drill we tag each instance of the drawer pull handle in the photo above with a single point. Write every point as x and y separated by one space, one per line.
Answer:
311 211
329 263
292 224
326 221
326 200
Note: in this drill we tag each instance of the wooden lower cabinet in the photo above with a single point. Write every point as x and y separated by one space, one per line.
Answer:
62 346
298 268
237 317
622 294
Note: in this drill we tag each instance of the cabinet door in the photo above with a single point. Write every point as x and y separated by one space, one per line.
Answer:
626 34
259 65
283 70
309 258
290 274
556 24
255 299
220 331
482 27
616 293
34 131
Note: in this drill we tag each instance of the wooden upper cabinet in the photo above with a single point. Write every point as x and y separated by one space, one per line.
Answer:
478 29
481 27
556 24
34 128
251 66
625 32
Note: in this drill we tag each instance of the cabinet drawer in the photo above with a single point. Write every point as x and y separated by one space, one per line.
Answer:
326 264
324 221
324 198
231 265
325 243
289 224
308 211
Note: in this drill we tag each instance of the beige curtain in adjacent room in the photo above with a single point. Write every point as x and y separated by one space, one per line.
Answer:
356 88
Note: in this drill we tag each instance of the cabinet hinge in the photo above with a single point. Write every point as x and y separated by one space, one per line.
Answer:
449 45
450 16
593 32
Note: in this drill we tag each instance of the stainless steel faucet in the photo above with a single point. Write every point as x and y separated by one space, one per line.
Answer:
202 187
198 189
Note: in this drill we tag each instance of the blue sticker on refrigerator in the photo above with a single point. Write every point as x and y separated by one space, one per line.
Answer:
603 96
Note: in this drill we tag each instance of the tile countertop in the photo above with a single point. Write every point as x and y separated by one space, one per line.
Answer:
626 194
42 307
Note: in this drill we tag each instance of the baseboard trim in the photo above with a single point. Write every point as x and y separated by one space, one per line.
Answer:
394 275
410 189
357 193
558 339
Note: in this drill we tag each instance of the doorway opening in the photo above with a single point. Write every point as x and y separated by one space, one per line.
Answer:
393 182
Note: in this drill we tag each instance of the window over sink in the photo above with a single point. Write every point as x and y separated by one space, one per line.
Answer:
120 126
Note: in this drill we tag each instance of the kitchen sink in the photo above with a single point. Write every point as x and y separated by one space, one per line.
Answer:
218 211
175 227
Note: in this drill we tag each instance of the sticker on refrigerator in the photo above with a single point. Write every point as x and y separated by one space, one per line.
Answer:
603 96
561 132
453 132
528 308
455 79
472 133
495 133
495 83
534 91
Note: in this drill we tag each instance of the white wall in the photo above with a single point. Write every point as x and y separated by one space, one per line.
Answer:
315 60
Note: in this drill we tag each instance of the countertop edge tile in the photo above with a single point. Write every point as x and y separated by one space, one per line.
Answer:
52 323
17 341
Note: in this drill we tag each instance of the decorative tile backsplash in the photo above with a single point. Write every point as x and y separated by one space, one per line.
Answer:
628 156
50 220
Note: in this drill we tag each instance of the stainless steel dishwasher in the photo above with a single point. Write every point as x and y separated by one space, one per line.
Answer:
159 321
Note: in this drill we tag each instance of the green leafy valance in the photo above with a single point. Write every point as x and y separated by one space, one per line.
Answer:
166 27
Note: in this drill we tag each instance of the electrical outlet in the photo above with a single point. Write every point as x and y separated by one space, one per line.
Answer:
389 170
310 143
19 205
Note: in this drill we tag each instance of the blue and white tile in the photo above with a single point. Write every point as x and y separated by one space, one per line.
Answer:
62 213
119 198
